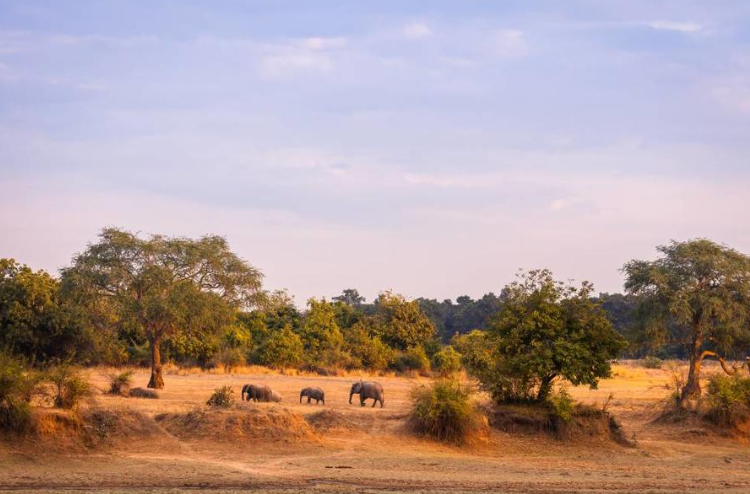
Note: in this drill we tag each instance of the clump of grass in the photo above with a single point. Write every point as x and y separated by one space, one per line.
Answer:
17 387
444 411
119 384
728 400
651 362
70 385
221 398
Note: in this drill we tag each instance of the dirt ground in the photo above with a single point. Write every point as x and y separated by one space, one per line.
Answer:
369 449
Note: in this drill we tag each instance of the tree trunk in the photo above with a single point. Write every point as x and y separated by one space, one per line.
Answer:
157 381
692 388
545 388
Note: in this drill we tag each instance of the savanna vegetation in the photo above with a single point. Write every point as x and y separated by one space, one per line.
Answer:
146 301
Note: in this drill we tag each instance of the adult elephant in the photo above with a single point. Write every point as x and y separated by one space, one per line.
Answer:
316 394
260 393
247 389
367 390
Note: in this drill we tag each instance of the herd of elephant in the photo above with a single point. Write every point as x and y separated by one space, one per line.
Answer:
365 389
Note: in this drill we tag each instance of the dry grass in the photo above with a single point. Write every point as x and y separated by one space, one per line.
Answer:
354 449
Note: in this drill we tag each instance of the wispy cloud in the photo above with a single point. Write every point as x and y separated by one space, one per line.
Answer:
417 30
317 43
510 43
675 26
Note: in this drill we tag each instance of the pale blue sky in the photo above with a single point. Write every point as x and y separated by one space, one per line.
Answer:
432 148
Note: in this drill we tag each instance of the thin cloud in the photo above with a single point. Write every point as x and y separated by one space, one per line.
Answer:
675 26
417 30
317 43
510 43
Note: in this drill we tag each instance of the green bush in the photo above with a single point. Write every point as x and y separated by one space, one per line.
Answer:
119 384
413 359
444 411
562 405
70 385
728 400
446 361
221 398
651 362
17 387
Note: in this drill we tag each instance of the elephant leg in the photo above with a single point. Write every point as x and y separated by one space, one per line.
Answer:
374 402
308 400
362 401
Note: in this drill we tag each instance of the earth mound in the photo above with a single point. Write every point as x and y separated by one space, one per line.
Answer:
330 420
270 424
586 423
63 431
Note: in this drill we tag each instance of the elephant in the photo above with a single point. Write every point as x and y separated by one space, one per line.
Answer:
260 393
316 394
247 389
368 389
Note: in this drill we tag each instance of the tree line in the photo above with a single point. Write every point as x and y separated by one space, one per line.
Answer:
128 299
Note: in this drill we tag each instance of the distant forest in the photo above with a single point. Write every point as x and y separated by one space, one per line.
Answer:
467 314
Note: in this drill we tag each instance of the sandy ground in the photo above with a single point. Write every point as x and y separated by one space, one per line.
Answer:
378 455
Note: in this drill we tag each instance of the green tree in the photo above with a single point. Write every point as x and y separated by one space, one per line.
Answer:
400 323
696 294
367 348
351 297
320 332
35 322
161 286
548 330
282 349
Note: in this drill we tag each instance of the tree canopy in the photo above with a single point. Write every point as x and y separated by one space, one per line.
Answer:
161 286
546 331
696 294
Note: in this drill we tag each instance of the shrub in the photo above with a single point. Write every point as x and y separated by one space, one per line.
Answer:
728 400
651 362
70 385
119 384
222 398
444 411
17 387
413 359
446 361
562 405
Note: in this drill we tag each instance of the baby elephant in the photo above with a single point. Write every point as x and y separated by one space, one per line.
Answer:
367 389
260 393
316 394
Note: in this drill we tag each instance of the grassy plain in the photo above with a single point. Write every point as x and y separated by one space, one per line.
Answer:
290 447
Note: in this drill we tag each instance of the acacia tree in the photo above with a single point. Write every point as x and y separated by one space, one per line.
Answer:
696 294
161 286
548 330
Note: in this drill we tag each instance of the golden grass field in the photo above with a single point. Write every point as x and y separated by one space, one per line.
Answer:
357 449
